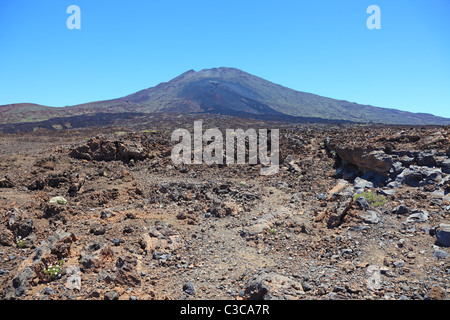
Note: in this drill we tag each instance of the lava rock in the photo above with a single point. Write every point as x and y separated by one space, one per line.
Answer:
440 254
418 216
362 203
401 209
111 295
371 217
443 234
189 288
426 159
362 184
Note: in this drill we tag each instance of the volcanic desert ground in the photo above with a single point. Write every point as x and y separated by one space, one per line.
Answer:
355 212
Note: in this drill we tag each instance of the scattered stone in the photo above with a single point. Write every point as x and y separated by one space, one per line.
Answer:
360 183
97 229
111 295
399 263
74 280
271 286
6 237
19 285
362 203
189 288
6 183
370 216
440 254
443 234
401 209
418 216
374 279
436 293
388 192
48 290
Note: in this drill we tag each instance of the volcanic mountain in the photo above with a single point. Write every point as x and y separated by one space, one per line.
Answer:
225 91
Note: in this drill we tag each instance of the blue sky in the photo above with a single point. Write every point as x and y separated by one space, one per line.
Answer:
322 47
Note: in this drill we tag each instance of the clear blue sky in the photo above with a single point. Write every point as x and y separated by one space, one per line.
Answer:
322 47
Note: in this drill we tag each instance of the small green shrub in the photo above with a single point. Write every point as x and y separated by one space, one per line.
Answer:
21 243
375 200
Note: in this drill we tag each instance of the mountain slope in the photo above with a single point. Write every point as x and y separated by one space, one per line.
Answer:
234 92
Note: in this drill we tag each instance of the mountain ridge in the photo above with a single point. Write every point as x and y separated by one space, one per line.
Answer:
228 91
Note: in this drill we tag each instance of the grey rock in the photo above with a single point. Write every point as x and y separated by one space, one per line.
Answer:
399 264
374 277
362 203
189 288
98 229
74 279
438 193
19 285
360 183
359 228
443 234
266 285
406 161
371 217
434 175
408 227
116 242
426 159
418 216
440 254
111 295
105 214
395 184
322 196
401 209
396 168
48 290
388 192
446 166
161 256
413 178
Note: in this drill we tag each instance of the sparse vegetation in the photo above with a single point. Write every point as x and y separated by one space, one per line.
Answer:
375 200
54 270
21 243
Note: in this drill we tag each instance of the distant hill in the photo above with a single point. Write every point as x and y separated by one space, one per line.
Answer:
226 91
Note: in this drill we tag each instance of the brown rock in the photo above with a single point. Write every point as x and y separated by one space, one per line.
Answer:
6 183
436 293
6 237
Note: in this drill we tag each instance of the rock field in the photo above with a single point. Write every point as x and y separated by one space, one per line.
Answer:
355 212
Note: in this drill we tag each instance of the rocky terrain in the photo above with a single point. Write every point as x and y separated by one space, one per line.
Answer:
355 212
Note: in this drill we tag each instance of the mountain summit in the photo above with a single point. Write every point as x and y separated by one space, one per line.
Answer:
228 91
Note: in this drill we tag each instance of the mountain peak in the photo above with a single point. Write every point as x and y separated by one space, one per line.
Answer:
231 91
